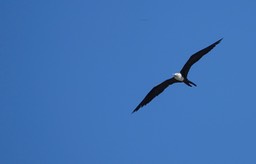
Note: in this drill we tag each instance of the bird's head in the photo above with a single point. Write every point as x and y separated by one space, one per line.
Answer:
178 76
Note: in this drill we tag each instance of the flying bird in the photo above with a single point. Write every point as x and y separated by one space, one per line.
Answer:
180 77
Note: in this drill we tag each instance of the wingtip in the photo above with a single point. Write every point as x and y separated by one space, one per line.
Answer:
135 110
219 40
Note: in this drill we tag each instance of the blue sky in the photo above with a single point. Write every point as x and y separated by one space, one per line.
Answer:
71 72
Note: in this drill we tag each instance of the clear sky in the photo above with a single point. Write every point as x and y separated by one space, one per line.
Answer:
71 72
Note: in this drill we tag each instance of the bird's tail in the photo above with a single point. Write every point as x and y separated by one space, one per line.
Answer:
188 82
192 83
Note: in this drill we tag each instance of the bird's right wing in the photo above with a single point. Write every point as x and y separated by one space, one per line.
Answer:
155 92
195 57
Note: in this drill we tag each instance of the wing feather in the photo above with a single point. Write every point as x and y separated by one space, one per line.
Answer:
195 57
155 92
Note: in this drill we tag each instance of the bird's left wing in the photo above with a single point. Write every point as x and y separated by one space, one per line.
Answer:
195 57
155 92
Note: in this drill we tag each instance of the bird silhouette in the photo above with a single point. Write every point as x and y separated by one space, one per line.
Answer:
180 77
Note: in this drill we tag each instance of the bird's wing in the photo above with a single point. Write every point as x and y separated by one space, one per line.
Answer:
195 57
155 92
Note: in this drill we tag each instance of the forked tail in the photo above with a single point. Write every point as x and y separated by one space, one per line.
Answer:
188 82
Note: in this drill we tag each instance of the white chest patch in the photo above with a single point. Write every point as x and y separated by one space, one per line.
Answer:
178 77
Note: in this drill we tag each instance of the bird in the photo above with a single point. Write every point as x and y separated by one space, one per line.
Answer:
179 77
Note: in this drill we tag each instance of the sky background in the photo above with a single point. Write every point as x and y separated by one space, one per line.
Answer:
71 73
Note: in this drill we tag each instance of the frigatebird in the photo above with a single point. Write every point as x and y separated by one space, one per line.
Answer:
180 77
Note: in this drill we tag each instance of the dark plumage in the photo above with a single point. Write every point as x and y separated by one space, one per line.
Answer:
178 77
